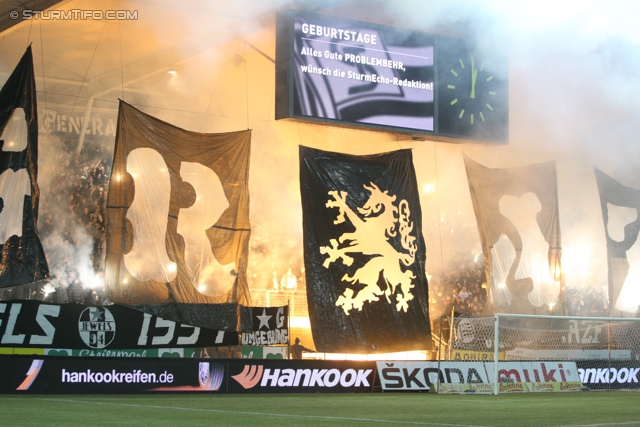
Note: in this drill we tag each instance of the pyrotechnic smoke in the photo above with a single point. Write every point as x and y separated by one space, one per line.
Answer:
574 98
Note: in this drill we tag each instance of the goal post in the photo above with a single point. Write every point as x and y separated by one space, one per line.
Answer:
523 352
626 338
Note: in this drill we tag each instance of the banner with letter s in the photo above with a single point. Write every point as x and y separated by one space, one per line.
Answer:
75 326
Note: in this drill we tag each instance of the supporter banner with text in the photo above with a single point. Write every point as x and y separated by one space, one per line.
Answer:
75 326
178 221
270 325
364 252
22 258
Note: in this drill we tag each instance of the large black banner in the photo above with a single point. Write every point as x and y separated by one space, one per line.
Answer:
21 256
270 325
178 221
519 224
75 326
364 252
621 215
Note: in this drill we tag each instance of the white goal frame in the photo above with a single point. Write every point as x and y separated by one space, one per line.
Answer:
496 341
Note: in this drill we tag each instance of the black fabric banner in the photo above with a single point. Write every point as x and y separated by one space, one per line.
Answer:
75 326
364 252
622 275
178 221
270 325
518 220
22 259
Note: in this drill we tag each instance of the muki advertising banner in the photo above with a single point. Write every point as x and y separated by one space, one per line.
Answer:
478 377
270 326
75 326
80 375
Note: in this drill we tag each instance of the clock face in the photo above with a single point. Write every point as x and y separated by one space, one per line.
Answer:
472 98
471 90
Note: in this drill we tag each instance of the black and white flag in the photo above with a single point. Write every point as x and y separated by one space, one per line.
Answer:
518 220
364 252
621 214
270 325
178 221
22 259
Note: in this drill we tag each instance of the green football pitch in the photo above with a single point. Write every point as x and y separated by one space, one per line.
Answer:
593 409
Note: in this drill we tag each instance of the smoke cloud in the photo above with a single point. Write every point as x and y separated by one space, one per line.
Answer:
574 98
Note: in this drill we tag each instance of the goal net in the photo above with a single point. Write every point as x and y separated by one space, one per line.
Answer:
546 353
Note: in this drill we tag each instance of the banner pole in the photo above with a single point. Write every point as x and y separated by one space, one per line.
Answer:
288 328
440 340
496 347
439 356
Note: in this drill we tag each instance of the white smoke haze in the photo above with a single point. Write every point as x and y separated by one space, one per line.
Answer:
574 98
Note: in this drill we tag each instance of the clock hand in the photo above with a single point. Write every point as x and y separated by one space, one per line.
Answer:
474 76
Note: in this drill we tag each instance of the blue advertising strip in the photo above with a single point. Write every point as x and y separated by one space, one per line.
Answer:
609 375
300 376
106 375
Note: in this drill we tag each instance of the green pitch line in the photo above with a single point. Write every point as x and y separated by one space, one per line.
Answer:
584 409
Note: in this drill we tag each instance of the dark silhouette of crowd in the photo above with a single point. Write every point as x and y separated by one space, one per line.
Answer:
71 220
587 302
462 288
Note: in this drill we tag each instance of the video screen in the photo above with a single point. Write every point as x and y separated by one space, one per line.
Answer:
367 74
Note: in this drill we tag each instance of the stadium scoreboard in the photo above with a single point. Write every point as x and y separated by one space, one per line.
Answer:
342 72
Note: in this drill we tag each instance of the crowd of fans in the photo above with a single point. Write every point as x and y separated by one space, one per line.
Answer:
462 288
72 229
587 302
72 220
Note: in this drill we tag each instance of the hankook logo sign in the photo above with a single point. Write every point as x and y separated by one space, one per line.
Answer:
271 377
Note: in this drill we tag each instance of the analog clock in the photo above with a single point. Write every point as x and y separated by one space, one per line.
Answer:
472 95
471 91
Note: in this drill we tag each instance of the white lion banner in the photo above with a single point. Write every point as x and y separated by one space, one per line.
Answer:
364 252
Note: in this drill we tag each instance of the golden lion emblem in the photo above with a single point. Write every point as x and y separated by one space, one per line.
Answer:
378 222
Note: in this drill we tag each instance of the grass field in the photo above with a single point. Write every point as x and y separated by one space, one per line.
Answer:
550 409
